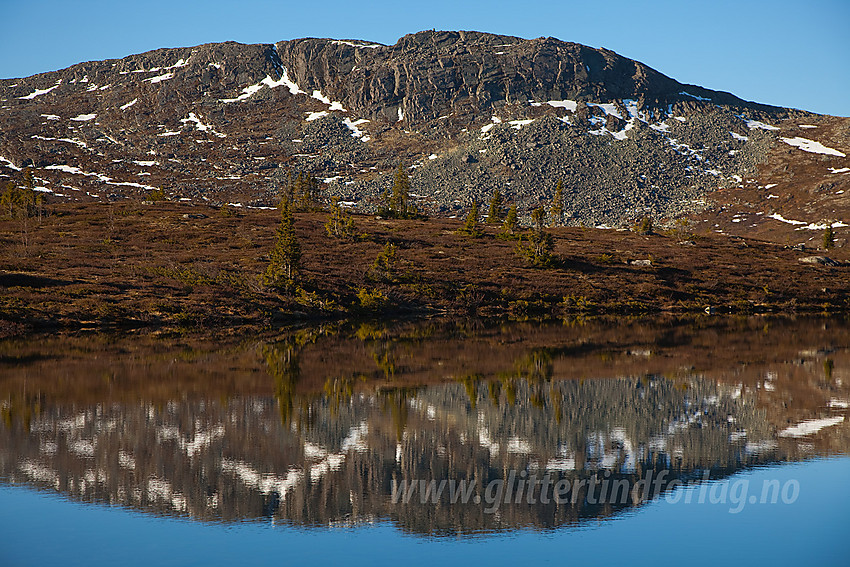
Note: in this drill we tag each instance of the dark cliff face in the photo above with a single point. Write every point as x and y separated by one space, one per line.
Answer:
430 73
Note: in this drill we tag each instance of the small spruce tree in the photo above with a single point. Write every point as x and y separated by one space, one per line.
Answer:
538 219
285 258
495 214
645 226
828 237
470 226
400 195
510 226
539 245
557 210
340 224
383 268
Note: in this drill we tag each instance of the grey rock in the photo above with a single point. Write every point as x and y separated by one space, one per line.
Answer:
819 260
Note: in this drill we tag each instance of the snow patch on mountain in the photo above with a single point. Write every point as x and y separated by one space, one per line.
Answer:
812 147
160 78
201 126
39 92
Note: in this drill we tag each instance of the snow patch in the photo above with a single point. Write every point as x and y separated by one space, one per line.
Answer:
609 108
695 96
355 131
129 104
780 218
251 90
9 164
247 92
316 115
570 105
334 105
739 137
518 124
486 128
50 116
39 92
812 147
352 44
822 226
74 141
755 124
159 78
201 126
290 84
77 171
84 117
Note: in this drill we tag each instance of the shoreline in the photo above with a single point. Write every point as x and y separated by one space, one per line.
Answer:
170 265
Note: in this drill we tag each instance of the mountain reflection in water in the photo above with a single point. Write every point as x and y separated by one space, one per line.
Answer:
313 428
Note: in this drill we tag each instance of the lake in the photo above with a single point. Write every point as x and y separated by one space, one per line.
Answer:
694 441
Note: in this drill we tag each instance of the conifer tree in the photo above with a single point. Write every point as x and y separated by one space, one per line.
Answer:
400 193
828 237
285 258
340 224
383 268
539 245
538 218
495 214
302 190
510 224
470 226
557 210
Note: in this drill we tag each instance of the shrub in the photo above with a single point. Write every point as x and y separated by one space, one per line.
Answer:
155 195
371 300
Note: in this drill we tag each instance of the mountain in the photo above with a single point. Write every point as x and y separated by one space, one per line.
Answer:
467 112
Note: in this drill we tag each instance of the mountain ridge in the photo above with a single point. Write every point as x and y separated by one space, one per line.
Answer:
468 112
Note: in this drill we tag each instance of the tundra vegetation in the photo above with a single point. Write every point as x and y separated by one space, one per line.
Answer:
157 261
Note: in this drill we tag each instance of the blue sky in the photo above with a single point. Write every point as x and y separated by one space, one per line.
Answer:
782 52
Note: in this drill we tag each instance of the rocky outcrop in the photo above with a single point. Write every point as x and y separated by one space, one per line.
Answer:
431 73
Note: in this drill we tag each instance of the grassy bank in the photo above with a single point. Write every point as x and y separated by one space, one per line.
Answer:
168 264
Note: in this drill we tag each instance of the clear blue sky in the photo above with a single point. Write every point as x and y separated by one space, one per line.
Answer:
782 52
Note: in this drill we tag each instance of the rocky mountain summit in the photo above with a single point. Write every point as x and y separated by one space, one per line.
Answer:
466 112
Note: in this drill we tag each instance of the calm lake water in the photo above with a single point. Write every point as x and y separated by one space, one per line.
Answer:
703 441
